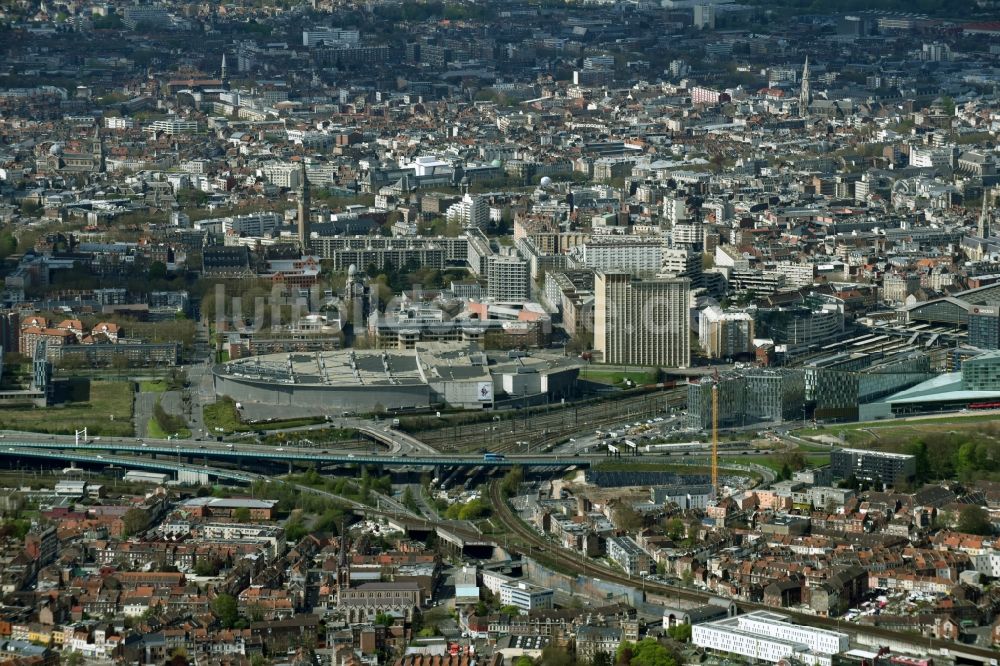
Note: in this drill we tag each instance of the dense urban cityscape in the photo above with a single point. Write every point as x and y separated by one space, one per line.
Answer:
500 332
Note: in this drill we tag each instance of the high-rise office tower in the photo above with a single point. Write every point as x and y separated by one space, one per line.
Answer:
304 211
642 322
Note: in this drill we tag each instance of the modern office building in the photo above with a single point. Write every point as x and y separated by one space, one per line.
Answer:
747 396
10 331
799 327
725 334
302 222
363 251
976 385
253 224
327 36
144 354
282 174
982 373
633 254
770 637
471 211
572 294
774 394
839 385
629 555
686 497
145 15
679 262
507 278
526 596
642 322
732 402
984 327
172 127
877 466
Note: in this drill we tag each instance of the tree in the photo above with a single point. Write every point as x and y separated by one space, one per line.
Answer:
974 519
675 529
226 609
512 481
134 521
15 528
795 461
555 656
206 567
581 342
649 652
627 518
295 529
157 271
510 609
623 655
119 362
680 632
409 501
178 657
72 658
242 515
8 245
524 660
384 619
601 658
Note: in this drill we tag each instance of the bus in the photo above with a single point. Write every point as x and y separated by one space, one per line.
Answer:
493 457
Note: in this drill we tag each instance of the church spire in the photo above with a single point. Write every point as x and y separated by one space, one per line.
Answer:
97 149
224 72
805 94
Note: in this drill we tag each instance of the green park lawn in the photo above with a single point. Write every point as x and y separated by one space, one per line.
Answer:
103 408
153 386
604 376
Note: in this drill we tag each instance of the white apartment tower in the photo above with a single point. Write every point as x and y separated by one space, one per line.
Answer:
470 212
642 322
508 278
675 210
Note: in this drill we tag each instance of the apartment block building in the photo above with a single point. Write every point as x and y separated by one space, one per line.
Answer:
642 322
625 552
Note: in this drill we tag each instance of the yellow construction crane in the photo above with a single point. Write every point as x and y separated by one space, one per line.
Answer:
715 435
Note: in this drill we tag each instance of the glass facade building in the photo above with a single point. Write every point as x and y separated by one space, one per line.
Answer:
747 396
838 385
984 327
982 373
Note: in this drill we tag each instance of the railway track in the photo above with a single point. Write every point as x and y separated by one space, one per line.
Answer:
587 567
541 429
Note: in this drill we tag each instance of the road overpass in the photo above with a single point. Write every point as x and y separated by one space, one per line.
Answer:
239 453
158 464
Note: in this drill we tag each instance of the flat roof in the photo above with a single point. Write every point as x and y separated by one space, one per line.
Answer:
880 454
349 367
231 502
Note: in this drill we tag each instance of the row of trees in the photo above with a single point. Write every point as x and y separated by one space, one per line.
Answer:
969 456
471 510
168 423
647 652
